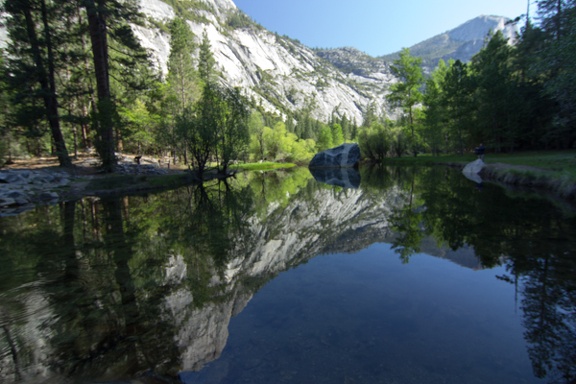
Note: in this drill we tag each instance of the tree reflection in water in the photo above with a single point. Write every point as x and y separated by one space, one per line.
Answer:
536 245
145 286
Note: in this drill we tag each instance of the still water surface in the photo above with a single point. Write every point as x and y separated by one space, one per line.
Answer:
418 276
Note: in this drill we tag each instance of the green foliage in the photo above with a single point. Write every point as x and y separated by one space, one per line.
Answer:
187 9
278 144
510 97
406 93
238 19
325 138
375 142
435 115
182 75
263 166
497 97
141 127
233 136
457 96
206 62
337 134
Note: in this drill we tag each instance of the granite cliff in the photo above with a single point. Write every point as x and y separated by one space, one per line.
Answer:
284 75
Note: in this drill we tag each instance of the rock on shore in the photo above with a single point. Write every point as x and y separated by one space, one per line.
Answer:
22 188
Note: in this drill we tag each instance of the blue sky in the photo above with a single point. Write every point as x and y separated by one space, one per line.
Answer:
376 27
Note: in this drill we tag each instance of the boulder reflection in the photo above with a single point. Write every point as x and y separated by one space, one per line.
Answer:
340 177
146 286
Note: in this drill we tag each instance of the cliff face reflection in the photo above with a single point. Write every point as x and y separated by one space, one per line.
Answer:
146 286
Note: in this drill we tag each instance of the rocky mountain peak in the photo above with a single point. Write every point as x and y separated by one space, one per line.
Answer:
281 74
460 43
479 27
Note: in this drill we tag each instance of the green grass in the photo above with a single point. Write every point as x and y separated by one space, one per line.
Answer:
427 159
264 166
556 161
552 170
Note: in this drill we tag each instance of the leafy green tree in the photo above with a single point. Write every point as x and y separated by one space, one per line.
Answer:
276 141
324 138
233 134
256 129
302 150
435 111
400 141
337 134
141 125
200 126
406 92
375 142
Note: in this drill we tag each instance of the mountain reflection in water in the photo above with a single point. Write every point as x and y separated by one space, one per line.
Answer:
146 287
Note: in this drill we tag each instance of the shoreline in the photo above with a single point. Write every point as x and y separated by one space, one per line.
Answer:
527 177
87 181
553 176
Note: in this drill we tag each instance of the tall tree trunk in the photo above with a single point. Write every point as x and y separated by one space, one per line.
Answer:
98 37
46 80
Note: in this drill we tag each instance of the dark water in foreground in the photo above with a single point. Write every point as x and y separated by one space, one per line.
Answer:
419 276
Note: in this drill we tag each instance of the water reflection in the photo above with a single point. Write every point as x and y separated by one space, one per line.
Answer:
146 287
341 177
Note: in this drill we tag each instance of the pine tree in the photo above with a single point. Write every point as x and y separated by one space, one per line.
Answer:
497 96
337 134
182 83
4 110
182 75
456 98
206 61
97 12
33 61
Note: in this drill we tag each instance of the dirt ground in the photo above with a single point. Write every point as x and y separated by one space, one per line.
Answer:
84 164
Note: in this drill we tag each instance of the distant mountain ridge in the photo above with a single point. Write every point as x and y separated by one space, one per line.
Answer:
460 43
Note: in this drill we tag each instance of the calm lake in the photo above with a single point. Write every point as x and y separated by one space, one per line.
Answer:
418 276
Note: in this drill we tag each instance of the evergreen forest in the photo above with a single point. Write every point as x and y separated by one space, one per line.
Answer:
75 79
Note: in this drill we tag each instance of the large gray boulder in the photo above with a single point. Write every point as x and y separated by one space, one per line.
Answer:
343 156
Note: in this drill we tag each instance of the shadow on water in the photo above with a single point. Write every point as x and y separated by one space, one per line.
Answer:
145 287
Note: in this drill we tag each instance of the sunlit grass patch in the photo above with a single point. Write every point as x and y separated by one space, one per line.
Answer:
264 166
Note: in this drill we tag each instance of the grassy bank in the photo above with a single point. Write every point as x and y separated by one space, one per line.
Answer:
551 170
263 166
